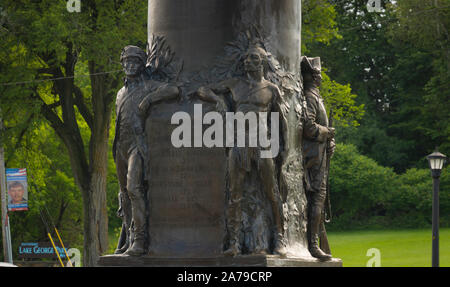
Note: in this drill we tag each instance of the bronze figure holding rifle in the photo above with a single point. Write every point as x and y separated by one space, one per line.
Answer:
318 146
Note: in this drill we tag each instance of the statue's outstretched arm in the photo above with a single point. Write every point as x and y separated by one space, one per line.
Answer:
214 94
164 93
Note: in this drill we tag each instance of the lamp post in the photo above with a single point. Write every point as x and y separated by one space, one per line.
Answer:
436 161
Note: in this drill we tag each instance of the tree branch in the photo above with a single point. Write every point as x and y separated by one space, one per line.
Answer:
52 117
73 143
84 111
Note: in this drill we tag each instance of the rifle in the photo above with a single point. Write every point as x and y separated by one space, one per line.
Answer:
324 245
327 202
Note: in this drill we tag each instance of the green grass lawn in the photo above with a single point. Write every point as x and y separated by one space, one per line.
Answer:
398 248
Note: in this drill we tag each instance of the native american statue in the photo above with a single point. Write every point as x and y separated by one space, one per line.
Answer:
251 93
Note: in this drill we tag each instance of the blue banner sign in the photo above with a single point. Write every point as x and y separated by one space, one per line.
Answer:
40 250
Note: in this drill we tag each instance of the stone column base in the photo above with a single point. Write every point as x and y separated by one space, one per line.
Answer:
238 261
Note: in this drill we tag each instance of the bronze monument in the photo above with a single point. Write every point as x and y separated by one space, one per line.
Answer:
223 205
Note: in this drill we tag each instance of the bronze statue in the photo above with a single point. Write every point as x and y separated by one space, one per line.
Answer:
318 144
206 200
129 147
250 93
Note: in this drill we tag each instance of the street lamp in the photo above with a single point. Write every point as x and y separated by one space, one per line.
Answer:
436 161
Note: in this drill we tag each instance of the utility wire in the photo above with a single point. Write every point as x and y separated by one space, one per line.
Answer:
57 79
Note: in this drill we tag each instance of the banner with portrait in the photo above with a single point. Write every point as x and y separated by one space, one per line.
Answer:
16 182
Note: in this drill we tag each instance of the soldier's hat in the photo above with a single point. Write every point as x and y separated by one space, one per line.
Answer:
311 65
133 51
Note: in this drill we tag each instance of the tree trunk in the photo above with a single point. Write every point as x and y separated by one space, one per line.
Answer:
90 176
95 208
92 226
93 190
94 198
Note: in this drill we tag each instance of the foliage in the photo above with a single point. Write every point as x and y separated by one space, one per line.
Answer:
51 189
361 55
43 41
341 101
373 141
359 187
319 26
318 23
366 195
410 203
422 32
397 62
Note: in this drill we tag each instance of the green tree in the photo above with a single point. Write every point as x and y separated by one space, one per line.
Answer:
42 41
361 56
318 23
319 26
391 77
421 40
340 99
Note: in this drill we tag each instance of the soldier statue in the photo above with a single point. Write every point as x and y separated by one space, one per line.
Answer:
318 144
129 147
250 93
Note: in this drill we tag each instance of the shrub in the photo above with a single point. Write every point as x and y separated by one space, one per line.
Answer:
359 186
367 195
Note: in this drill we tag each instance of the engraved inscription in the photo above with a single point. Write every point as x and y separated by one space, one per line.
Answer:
186 192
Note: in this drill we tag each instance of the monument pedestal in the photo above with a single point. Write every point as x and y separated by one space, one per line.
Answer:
238 261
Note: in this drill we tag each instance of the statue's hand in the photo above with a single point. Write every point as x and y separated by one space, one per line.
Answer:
202 92
331 133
